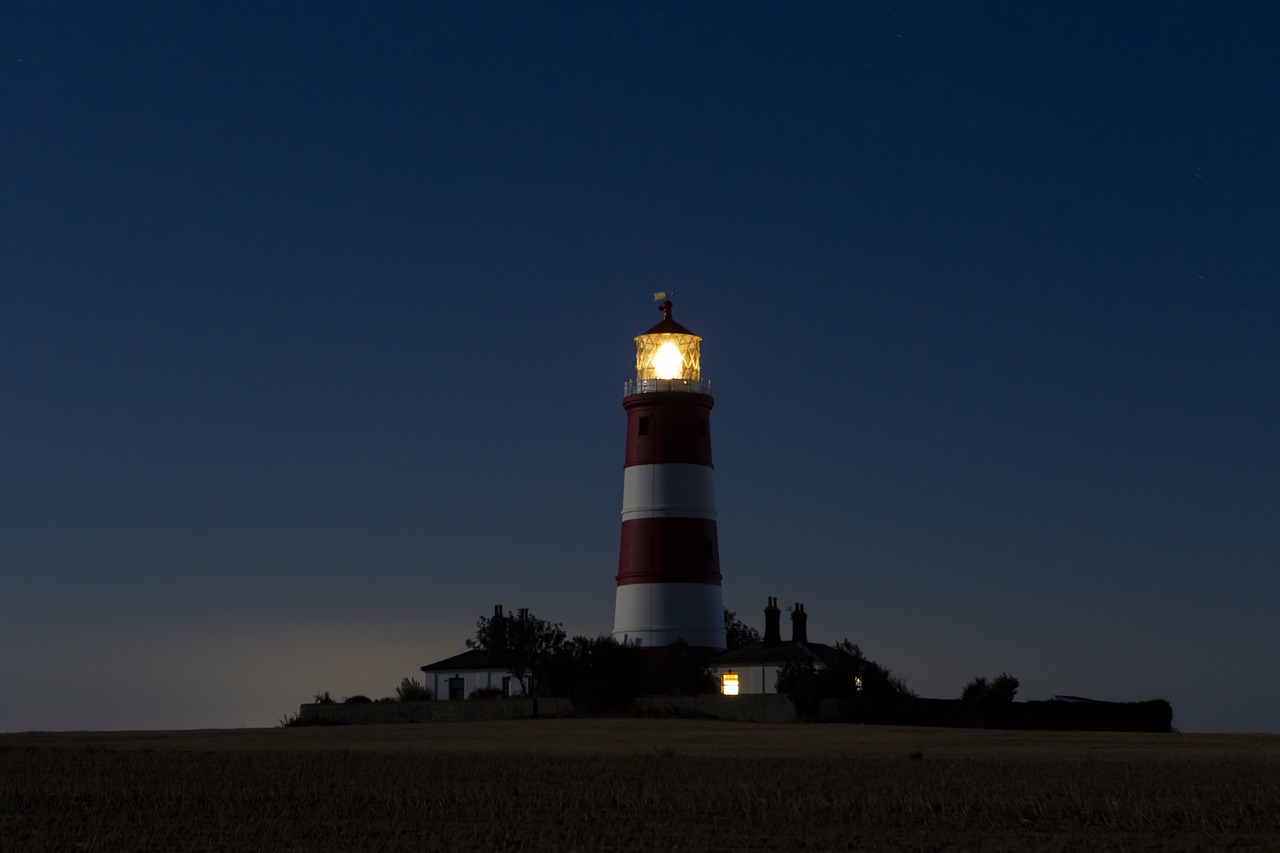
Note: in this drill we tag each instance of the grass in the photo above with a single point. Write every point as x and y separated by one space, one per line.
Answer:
637 785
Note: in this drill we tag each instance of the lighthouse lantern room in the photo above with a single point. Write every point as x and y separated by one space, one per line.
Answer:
669 559
667 352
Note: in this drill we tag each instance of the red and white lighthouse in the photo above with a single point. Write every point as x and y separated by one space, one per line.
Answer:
669 560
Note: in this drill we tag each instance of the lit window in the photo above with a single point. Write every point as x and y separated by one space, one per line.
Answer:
729 684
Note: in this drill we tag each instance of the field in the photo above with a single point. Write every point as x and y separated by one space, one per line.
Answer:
614 785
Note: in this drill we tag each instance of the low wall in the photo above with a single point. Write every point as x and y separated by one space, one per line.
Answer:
1154 716
756 708
367 713
1085 715
748 709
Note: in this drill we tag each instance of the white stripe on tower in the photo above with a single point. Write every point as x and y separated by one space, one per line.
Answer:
654 615
668 490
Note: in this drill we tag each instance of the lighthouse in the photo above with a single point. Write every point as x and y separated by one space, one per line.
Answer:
669 559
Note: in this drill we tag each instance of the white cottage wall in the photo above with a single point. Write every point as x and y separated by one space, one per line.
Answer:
472 680
754 678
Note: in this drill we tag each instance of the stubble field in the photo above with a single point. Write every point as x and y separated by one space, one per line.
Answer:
615 785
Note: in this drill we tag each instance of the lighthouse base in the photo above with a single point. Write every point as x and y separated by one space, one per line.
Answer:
657 614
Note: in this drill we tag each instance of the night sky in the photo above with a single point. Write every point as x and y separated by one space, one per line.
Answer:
314 321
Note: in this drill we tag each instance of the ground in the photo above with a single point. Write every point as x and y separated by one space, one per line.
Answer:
623 784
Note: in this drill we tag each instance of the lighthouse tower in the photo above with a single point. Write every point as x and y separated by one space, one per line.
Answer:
669 560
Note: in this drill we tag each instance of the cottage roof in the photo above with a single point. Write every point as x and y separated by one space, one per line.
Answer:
472 659
773 654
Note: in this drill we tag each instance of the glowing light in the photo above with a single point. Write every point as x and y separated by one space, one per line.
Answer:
729 684
667 361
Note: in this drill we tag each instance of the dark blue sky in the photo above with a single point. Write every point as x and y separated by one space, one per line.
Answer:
315 321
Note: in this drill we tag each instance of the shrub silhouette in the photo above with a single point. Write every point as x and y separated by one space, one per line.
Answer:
599 676
411 691
1000 689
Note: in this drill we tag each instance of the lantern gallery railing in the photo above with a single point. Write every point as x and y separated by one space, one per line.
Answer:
650 386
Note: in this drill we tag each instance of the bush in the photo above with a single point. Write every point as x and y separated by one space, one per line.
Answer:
682 671
357 698
798 678
599 676
844 674
1000 689
324 698
289 721
485 693
411 691
607 676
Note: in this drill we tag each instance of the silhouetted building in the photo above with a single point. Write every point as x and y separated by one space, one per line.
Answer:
754 668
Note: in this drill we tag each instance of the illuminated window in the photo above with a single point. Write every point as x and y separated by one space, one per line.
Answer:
729 684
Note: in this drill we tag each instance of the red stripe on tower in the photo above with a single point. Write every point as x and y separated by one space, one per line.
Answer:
669 559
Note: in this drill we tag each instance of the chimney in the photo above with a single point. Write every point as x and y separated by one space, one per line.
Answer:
799 633
524 614
497 611
772 633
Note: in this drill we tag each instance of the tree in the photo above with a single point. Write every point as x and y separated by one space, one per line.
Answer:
599 676
799 678
517 642
736 632
871 680
844 673
682 671
1002 688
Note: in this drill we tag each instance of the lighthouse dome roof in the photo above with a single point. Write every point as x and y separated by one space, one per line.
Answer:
667 326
